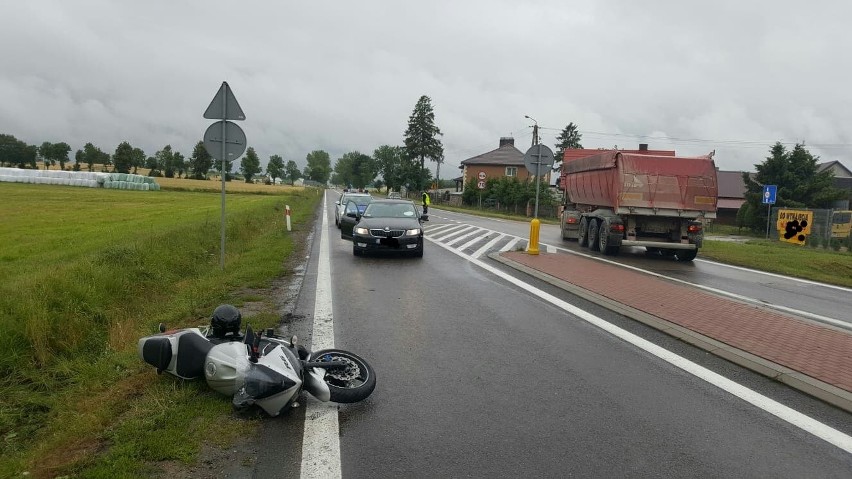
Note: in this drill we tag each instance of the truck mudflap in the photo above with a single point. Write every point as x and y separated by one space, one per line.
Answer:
570 224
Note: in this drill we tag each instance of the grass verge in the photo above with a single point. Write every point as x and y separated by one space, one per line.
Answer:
83 274
820 265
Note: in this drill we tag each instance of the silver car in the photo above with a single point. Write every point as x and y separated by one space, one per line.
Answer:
361 198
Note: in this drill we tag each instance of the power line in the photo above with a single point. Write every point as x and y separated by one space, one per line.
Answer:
737 143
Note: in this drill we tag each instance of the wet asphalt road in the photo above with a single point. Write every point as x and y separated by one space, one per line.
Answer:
477 378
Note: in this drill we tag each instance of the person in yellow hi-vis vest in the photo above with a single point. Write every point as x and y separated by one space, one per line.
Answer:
426 202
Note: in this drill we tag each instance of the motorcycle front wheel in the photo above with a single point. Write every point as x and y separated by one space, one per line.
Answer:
350 384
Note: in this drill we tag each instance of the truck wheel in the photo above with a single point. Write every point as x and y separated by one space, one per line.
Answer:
686 254
593 235
583 234
603 240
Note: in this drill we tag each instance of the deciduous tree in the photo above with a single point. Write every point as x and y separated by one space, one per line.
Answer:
275 167
45 152
123 157
137 159
250 165
60 153
395 165
200 162
292 171
78 158
319 166
165 161
355 169
14 152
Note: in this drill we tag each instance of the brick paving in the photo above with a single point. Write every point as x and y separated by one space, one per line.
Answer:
820 352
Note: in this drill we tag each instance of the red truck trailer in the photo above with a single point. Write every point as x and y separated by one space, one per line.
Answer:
615 199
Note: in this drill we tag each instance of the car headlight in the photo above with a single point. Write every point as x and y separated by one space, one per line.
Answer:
362 231
414 232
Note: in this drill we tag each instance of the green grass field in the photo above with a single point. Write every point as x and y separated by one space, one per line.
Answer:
83 274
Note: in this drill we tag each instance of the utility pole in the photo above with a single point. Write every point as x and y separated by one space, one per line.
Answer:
535 133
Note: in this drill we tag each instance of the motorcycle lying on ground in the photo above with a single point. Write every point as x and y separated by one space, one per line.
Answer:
257 368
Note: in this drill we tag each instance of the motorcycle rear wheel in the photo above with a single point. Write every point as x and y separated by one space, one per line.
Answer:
352 384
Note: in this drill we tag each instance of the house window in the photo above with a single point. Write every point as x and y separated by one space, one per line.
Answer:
511 171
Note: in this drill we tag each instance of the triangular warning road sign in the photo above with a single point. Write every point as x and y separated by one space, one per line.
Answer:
224 97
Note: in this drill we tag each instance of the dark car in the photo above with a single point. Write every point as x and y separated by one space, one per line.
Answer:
386 225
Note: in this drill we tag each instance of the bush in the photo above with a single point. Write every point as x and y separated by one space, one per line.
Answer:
813 241
836 243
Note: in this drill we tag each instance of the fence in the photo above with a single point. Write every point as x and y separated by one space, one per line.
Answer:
451 198
820 226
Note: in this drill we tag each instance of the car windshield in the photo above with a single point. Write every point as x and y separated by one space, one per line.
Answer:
390 210
360 199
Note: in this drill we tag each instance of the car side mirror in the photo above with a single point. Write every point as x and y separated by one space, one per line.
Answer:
337 203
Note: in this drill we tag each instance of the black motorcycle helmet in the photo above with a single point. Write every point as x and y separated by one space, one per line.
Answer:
226 319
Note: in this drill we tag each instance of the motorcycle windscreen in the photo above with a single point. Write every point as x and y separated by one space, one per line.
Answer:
260 382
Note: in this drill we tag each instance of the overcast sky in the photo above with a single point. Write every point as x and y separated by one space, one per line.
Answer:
730 76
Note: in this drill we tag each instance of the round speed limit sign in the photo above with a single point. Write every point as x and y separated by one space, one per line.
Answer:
481 185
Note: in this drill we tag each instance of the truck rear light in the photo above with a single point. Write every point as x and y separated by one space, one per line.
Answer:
570 220
617 228
694 228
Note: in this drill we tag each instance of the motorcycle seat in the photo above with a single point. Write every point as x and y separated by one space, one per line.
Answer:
192 349
158 353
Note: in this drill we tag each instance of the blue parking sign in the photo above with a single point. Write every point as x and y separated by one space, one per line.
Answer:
769 193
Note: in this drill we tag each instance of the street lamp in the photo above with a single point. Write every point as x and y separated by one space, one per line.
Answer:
535 129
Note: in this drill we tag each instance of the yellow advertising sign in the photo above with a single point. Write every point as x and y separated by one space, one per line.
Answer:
794 226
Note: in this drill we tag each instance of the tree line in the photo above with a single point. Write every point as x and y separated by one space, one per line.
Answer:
126 158
799 183
399 165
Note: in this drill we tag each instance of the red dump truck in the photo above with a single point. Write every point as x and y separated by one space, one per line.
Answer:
615 199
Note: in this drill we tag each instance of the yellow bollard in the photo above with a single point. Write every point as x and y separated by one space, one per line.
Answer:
532 247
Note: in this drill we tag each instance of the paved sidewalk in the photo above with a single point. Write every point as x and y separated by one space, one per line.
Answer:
811 357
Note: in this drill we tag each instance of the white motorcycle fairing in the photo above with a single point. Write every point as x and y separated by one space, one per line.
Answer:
272 382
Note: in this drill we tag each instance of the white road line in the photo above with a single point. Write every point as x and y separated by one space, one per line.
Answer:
437 228
511 244
321 439
775 275
463 237
488 245
473 241
550 249
775 408
451 231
